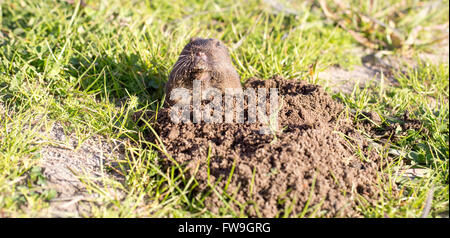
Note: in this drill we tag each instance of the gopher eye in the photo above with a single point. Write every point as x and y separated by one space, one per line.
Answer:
218 44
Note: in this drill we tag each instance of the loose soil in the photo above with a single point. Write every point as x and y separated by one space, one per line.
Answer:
317 164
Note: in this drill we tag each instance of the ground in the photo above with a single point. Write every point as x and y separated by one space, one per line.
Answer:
74 75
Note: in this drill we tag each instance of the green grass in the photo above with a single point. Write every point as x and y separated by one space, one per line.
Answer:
90 68
424 149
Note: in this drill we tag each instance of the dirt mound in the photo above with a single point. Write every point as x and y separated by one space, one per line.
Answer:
315 164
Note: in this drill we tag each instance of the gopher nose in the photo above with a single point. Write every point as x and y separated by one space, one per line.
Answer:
200 55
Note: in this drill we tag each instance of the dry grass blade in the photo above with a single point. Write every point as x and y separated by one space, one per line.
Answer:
357 36
376 27
428 202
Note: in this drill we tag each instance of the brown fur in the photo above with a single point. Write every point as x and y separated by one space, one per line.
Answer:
207 60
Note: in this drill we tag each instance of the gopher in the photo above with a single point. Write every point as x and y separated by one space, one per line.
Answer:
206 60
